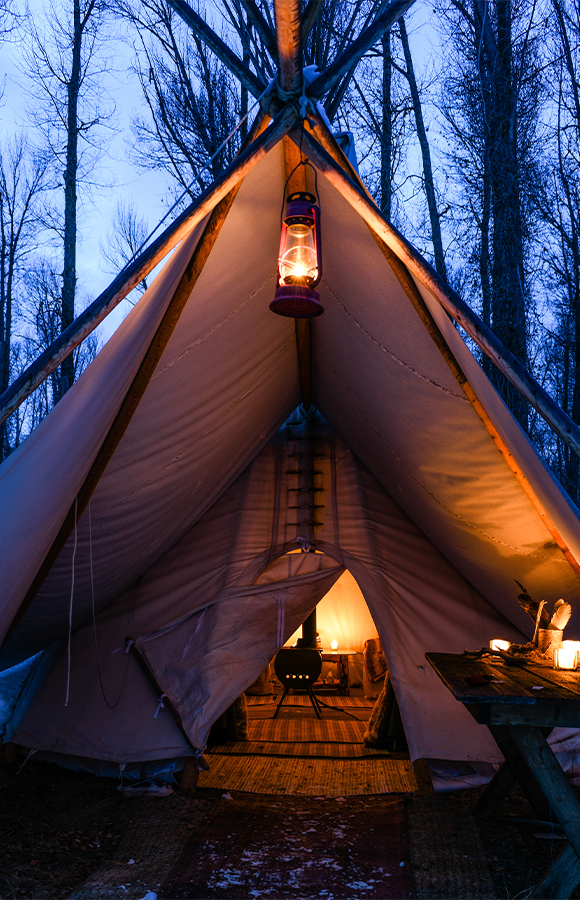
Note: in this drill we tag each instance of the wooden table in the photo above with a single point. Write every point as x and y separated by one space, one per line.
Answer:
340 657
521 706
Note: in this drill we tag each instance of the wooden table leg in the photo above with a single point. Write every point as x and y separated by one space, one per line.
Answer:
553 783
520 770
561 879
495 792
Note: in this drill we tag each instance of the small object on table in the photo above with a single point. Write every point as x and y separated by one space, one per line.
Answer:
340 657
566 657
498 644
549 639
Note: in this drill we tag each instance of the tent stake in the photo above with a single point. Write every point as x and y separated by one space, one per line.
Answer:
505 361
124 283
134 393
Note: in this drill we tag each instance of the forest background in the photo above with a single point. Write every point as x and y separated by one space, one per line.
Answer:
466 124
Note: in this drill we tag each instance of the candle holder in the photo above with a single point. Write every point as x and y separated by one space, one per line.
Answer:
498 644
566 658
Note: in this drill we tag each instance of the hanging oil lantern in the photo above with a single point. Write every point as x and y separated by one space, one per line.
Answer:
299 259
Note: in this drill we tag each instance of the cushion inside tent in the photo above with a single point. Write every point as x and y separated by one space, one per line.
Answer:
418 502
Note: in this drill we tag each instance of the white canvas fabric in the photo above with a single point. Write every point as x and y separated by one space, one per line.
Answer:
40 479
418 503
224 593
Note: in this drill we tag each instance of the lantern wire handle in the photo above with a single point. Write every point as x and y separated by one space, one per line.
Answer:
303 162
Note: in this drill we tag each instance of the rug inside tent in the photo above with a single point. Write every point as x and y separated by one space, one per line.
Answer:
284 847
297 753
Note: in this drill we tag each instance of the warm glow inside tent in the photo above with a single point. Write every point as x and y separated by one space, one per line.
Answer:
183 547
342 616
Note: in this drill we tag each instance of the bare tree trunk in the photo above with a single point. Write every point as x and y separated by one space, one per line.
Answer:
244 35
69 273
484 224
387 132
5 322
428 181
508 304
572 335
21 179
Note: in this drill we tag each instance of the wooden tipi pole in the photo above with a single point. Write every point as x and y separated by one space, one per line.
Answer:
366 39
289 42
262 27
238 68
311 13
124 283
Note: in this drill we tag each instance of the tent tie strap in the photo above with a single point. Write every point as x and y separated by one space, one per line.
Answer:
126 646
160 705
202 763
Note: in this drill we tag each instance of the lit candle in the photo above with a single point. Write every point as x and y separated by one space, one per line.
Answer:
497 644
334 645
565 657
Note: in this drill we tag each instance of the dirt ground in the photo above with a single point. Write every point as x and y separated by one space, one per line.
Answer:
73 835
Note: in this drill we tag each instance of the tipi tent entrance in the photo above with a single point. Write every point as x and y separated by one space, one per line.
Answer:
263 745
211 613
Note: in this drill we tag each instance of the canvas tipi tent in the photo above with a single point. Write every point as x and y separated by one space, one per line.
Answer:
157 501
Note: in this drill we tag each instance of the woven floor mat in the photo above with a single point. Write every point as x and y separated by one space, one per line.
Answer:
447 856
312 777
304 700
328 749
264 847
307 714
289 730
